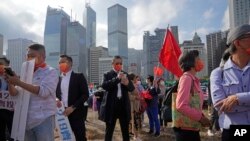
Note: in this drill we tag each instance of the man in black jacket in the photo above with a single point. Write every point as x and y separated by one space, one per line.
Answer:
117 85
72 90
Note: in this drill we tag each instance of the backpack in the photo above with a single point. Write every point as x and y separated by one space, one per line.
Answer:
166 107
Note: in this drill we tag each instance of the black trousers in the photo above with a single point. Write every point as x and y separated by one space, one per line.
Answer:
186 135
6 119
119 113
225 135
78 127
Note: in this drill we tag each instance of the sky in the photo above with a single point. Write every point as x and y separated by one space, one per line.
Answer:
26 18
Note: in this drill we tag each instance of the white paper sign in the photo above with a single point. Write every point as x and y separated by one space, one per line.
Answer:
7 101
23 98
62 124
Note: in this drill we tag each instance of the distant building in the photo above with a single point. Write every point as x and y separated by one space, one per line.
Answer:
118 32
95 54
239 12
196 44
216 44
175 32
89 22
76 47
134 61
152 45
105 65
55 34
16 53
1 44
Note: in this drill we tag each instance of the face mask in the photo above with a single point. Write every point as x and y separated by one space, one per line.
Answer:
199 66
248 51
138 82
118 67
162 83
63 67
41 65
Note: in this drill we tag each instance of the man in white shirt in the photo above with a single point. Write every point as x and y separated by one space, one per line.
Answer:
72 90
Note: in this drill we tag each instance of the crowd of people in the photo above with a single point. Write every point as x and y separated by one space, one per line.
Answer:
122 96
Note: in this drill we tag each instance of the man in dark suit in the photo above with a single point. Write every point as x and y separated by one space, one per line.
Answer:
72 91
117 85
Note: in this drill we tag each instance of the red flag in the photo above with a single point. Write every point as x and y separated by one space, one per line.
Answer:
170 53
158 71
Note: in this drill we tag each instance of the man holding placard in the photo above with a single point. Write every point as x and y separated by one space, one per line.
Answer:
42 106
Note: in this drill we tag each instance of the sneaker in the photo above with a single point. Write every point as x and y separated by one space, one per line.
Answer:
210 133
156 135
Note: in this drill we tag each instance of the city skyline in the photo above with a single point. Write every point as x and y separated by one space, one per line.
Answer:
204 17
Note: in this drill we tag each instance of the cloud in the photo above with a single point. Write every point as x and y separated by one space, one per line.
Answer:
148 15
225 20
101 34
209 14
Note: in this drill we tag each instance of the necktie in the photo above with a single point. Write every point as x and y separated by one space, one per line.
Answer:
119 92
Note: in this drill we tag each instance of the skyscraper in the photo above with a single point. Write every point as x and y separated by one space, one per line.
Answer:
16 52
215 48
118 32
151 48
89 22
1 44
55 34
239 12
134 60
76 47
95 54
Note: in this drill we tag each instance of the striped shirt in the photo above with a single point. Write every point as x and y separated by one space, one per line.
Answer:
231 80
43 105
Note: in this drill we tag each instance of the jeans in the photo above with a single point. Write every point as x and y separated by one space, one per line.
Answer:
154 124
42 132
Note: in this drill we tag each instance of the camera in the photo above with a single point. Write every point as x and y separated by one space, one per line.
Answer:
9 71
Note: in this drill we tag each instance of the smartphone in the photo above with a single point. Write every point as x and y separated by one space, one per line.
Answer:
9 71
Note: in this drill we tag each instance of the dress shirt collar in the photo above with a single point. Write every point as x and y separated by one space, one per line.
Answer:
230 64
66 74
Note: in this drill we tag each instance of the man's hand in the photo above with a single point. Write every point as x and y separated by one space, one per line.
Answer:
227 104
58 103
124 80
14 80
120 75
68 111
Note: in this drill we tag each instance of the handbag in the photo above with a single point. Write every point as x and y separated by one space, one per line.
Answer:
166 113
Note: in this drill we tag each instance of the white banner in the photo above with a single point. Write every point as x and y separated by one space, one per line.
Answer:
22 105
62 124
7 101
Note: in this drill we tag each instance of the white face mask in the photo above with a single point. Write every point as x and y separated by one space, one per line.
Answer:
138 82
162 83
